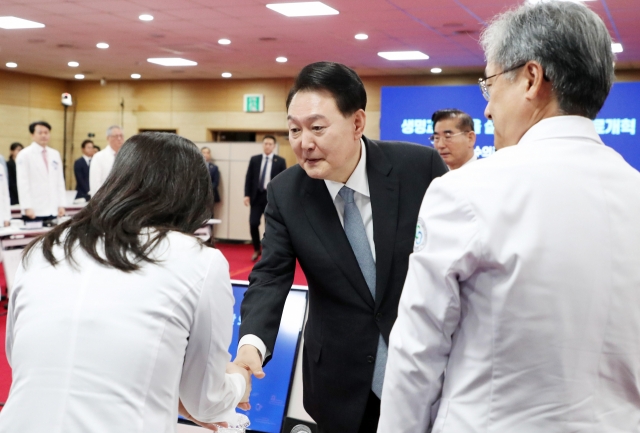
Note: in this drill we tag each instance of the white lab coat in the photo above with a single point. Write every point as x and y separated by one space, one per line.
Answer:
101 165
5 200
521 307
39 188
95 349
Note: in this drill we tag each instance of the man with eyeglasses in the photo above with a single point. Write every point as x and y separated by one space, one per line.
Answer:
453 137
521 307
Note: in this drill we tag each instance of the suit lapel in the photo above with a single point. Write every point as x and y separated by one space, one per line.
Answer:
323 217
384 192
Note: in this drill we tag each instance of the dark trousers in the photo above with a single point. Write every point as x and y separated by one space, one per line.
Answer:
370 418
257 209
38 218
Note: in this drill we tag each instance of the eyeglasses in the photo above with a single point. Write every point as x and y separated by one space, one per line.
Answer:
446 137
482 82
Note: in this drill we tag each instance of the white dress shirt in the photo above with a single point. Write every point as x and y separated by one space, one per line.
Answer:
87 159
521 307
5 200
100 167
40 186
95 349
266 159
359 182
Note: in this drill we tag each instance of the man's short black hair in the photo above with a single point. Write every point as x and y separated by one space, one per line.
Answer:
84 143
95 146
271 137
465 122
32 127
339 80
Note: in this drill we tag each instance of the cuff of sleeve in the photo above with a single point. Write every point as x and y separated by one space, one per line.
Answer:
240 385
256 342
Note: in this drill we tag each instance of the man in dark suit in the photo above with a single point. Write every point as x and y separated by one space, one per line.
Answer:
214 173
262 169
81 170
348 214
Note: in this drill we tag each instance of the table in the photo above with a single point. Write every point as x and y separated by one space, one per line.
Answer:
71 210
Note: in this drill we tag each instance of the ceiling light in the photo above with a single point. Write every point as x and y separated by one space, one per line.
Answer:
79 77
436 70
10 23
226 75
172 61
403 55
102 45
224 41
361 36
136 76
73 64
146 17
281 59
303 9
12 65
616 48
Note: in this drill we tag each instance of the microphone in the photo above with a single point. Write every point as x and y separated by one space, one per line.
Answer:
300 428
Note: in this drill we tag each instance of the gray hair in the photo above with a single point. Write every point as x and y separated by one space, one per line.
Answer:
111 128
570 42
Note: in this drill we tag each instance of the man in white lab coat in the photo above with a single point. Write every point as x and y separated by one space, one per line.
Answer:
103 161
40 178
521 307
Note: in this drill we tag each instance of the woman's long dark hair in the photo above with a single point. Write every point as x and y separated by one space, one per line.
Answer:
158 181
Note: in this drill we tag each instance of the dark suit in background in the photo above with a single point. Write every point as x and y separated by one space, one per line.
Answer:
13 183
215 180
257 194
81 170
345 322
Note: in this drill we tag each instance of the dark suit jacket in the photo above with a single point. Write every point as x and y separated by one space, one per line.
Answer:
341 335
81 170
215 180
251 187
13 183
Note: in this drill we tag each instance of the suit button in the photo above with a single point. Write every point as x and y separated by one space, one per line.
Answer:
370 359
378 317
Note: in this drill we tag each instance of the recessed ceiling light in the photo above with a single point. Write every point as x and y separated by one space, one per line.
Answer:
302 9
224 41
73 64
436 70
12 65
362 36
10 23
172 61
146 17
281 59
403 55
79 77
102 45
226 75
136 76
616 47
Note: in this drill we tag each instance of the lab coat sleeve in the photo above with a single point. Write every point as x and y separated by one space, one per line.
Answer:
207 392
22 179
62 188
429 310
95 174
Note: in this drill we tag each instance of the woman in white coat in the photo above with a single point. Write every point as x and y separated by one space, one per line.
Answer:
121 314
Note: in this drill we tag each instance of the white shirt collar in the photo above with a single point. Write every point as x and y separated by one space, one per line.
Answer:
86 158
568 127
41 147
264 155
358 181
110 148
473 158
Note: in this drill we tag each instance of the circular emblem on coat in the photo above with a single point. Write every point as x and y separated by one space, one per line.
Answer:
421 236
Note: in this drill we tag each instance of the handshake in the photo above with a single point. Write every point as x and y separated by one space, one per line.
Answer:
247 362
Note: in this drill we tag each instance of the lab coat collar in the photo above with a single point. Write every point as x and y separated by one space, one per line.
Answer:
561 127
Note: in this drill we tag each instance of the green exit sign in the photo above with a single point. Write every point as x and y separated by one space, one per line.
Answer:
253 103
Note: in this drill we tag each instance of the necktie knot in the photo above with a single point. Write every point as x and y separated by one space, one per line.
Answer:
347 194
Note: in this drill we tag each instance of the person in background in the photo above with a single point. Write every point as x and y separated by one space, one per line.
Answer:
103 160
5 200
521 307
347 212
41 188
262 169
453 137
213 172
81 169
96 149
11 171
120 315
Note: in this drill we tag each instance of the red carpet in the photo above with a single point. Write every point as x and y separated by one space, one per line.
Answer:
240 265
